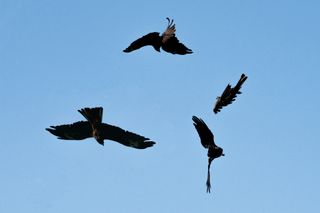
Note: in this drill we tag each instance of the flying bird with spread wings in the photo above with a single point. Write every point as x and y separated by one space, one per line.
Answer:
93 127
229 94
207 141
167 41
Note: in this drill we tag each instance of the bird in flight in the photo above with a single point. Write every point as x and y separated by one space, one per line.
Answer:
229 94
207 141
167 41
93 127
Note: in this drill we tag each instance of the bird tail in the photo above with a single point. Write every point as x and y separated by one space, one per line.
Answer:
208 183
93 115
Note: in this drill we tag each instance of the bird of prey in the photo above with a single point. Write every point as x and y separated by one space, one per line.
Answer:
207 141
167 41
229 94
93 127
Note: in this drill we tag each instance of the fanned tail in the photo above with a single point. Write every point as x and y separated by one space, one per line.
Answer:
93 115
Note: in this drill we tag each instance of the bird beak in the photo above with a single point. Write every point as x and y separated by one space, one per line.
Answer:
222 154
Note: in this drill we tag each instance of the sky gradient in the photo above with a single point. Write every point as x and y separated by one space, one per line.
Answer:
59 56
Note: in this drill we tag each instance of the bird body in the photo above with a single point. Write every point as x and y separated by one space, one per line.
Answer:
94 127
167 41
94 117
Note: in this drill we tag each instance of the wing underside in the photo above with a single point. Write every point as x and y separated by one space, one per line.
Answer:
76 131
152 39
124 137
172 45
205 134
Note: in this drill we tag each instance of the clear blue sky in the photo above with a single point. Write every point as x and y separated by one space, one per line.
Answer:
59 56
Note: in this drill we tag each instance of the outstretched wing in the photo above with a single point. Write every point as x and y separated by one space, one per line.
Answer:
152 39
229 94
172 45
124 137
76 131
205 134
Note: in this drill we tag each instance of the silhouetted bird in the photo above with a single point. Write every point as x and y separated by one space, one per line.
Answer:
167 41
94 127
229 95
207 141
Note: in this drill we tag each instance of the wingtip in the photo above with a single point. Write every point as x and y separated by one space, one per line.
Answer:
151 142
189 51
49 129
243 77
52 130
196 120
146 144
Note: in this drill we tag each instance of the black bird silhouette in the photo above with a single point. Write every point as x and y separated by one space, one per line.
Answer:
94 127
167 41
207 141
229 94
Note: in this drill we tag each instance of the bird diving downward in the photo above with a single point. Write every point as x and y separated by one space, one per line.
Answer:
207 141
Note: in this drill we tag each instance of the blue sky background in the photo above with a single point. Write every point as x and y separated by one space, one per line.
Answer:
59 56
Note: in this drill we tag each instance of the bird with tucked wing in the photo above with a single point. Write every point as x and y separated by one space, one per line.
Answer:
229 94
93 127
207 141
167 41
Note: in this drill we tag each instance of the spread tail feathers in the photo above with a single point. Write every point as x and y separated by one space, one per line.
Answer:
93 115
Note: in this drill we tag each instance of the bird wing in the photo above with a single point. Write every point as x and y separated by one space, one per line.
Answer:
222 100
205 134
169 32
236 90
172 45
124 137
149 39
76 131
229 94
